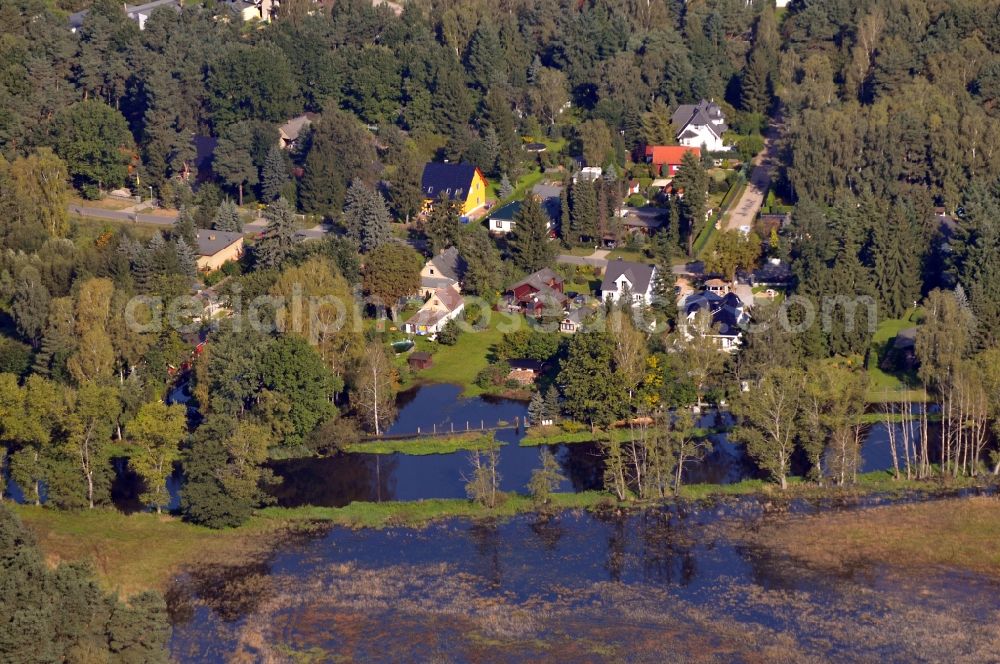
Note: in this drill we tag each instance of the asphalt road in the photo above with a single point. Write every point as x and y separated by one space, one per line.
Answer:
118 215
313 233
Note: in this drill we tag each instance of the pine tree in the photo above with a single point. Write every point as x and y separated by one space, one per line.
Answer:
564 217
156 252
143 272
692 180
227 217
366 217
279 235
273 175
551 410
184 227
186 259
536 409
59 339
530 240
206 499
491 146
583 212
896 264
506 188
443 224
534 69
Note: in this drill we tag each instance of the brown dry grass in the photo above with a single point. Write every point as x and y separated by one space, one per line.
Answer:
959 533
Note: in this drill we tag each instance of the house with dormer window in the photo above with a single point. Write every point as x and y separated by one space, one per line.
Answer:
700 125
624 277
462 182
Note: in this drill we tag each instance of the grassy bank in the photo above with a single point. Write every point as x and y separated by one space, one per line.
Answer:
474 440
422 512
134 552
961 534
553 435
556 436
131 553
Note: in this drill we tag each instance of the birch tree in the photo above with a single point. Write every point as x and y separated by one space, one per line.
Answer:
91 420
767 427
156 433
374 393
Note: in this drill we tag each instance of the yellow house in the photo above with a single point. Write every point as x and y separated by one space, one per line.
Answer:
217 247
459 182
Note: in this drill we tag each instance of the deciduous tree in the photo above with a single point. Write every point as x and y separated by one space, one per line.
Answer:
156 433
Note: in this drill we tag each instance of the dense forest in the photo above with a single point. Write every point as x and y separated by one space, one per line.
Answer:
882 114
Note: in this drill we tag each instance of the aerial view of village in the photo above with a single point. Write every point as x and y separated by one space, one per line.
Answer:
499 331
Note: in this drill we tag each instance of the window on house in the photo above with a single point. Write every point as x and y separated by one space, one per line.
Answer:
499 225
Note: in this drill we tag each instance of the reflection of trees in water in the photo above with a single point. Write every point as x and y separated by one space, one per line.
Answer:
335 481
488 541
582 464
667 541
127 486
549 530
230 591
659 544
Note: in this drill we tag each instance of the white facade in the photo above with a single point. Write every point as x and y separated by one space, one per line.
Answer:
501 226
701 136
626 282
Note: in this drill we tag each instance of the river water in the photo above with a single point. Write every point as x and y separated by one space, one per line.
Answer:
681 583
338 480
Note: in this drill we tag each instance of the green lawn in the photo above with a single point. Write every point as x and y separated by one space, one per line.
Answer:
521 187
87 229
473 440
136 552
634 255
459 364
884 386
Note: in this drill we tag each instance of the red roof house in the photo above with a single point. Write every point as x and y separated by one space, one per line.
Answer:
667 158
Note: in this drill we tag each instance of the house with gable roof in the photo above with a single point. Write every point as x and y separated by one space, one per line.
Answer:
700 125
621 277
538 290
445 270
461 182
666 159
726 316
444 304
290 132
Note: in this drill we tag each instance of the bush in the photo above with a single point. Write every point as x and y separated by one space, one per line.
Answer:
493 375
570 426
15 357
636 200
449 335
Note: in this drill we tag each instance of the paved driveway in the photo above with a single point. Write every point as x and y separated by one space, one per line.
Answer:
745 211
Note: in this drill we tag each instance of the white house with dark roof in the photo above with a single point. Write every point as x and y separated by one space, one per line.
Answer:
700 125
444 304
622 277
